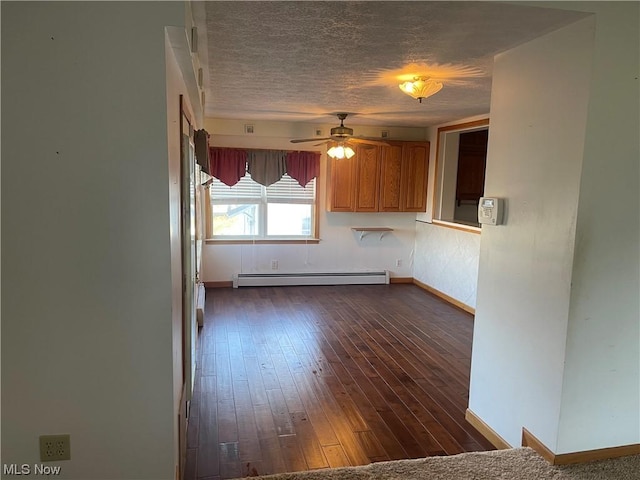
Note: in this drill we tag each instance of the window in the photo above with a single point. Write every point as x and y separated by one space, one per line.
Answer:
248 210
460 168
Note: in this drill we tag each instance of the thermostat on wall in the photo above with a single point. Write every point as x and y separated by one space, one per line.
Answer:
490 210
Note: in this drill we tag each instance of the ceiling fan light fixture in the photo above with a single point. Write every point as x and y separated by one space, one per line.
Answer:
340 151
421 87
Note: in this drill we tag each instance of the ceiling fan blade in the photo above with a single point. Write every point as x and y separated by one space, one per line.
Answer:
301 140
367 141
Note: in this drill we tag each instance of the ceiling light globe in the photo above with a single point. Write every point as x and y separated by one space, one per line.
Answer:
335 152
421 88
348 152
340 152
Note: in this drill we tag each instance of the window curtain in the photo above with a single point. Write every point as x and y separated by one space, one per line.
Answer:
201 141
303 166
228 165
266 166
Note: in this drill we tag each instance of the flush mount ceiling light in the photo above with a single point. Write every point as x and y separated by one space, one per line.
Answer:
421 87
340 151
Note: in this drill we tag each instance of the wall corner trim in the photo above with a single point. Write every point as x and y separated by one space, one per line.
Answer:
445 297
529 440
400 279
486 431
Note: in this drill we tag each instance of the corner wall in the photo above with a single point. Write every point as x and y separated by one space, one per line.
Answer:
556 344
539 104
601 387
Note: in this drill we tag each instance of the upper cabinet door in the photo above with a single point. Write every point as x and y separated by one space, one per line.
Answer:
341 187
367 178
391 178
415 170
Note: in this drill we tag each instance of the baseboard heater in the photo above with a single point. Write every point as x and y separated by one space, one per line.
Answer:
336 278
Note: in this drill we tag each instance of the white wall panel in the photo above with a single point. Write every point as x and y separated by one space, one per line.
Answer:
534 161
87 334
601 388
447 260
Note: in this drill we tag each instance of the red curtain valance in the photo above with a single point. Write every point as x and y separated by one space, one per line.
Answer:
303 166
229 165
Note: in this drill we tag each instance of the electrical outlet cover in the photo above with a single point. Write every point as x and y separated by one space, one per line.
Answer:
55 447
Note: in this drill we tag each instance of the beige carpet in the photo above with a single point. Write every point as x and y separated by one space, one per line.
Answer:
515 464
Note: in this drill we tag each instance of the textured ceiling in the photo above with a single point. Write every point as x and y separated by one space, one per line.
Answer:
305 61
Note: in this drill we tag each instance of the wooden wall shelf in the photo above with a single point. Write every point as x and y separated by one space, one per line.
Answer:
365 230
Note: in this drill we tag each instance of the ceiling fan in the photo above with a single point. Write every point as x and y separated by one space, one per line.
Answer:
342 135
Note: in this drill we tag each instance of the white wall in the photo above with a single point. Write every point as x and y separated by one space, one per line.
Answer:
534 160
601 387
526 328
340 249
87 335
447 260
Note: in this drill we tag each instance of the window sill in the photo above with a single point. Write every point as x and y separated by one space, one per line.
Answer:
263 241
457 226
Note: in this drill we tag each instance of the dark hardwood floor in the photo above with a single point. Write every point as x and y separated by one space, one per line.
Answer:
301 378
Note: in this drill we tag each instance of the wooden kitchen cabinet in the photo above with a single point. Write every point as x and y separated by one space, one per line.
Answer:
367 178
389 178
415 172
341 184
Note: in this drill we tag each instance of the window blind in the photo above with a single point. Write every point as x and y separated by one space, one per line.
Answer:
244 189
288 188
284 189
